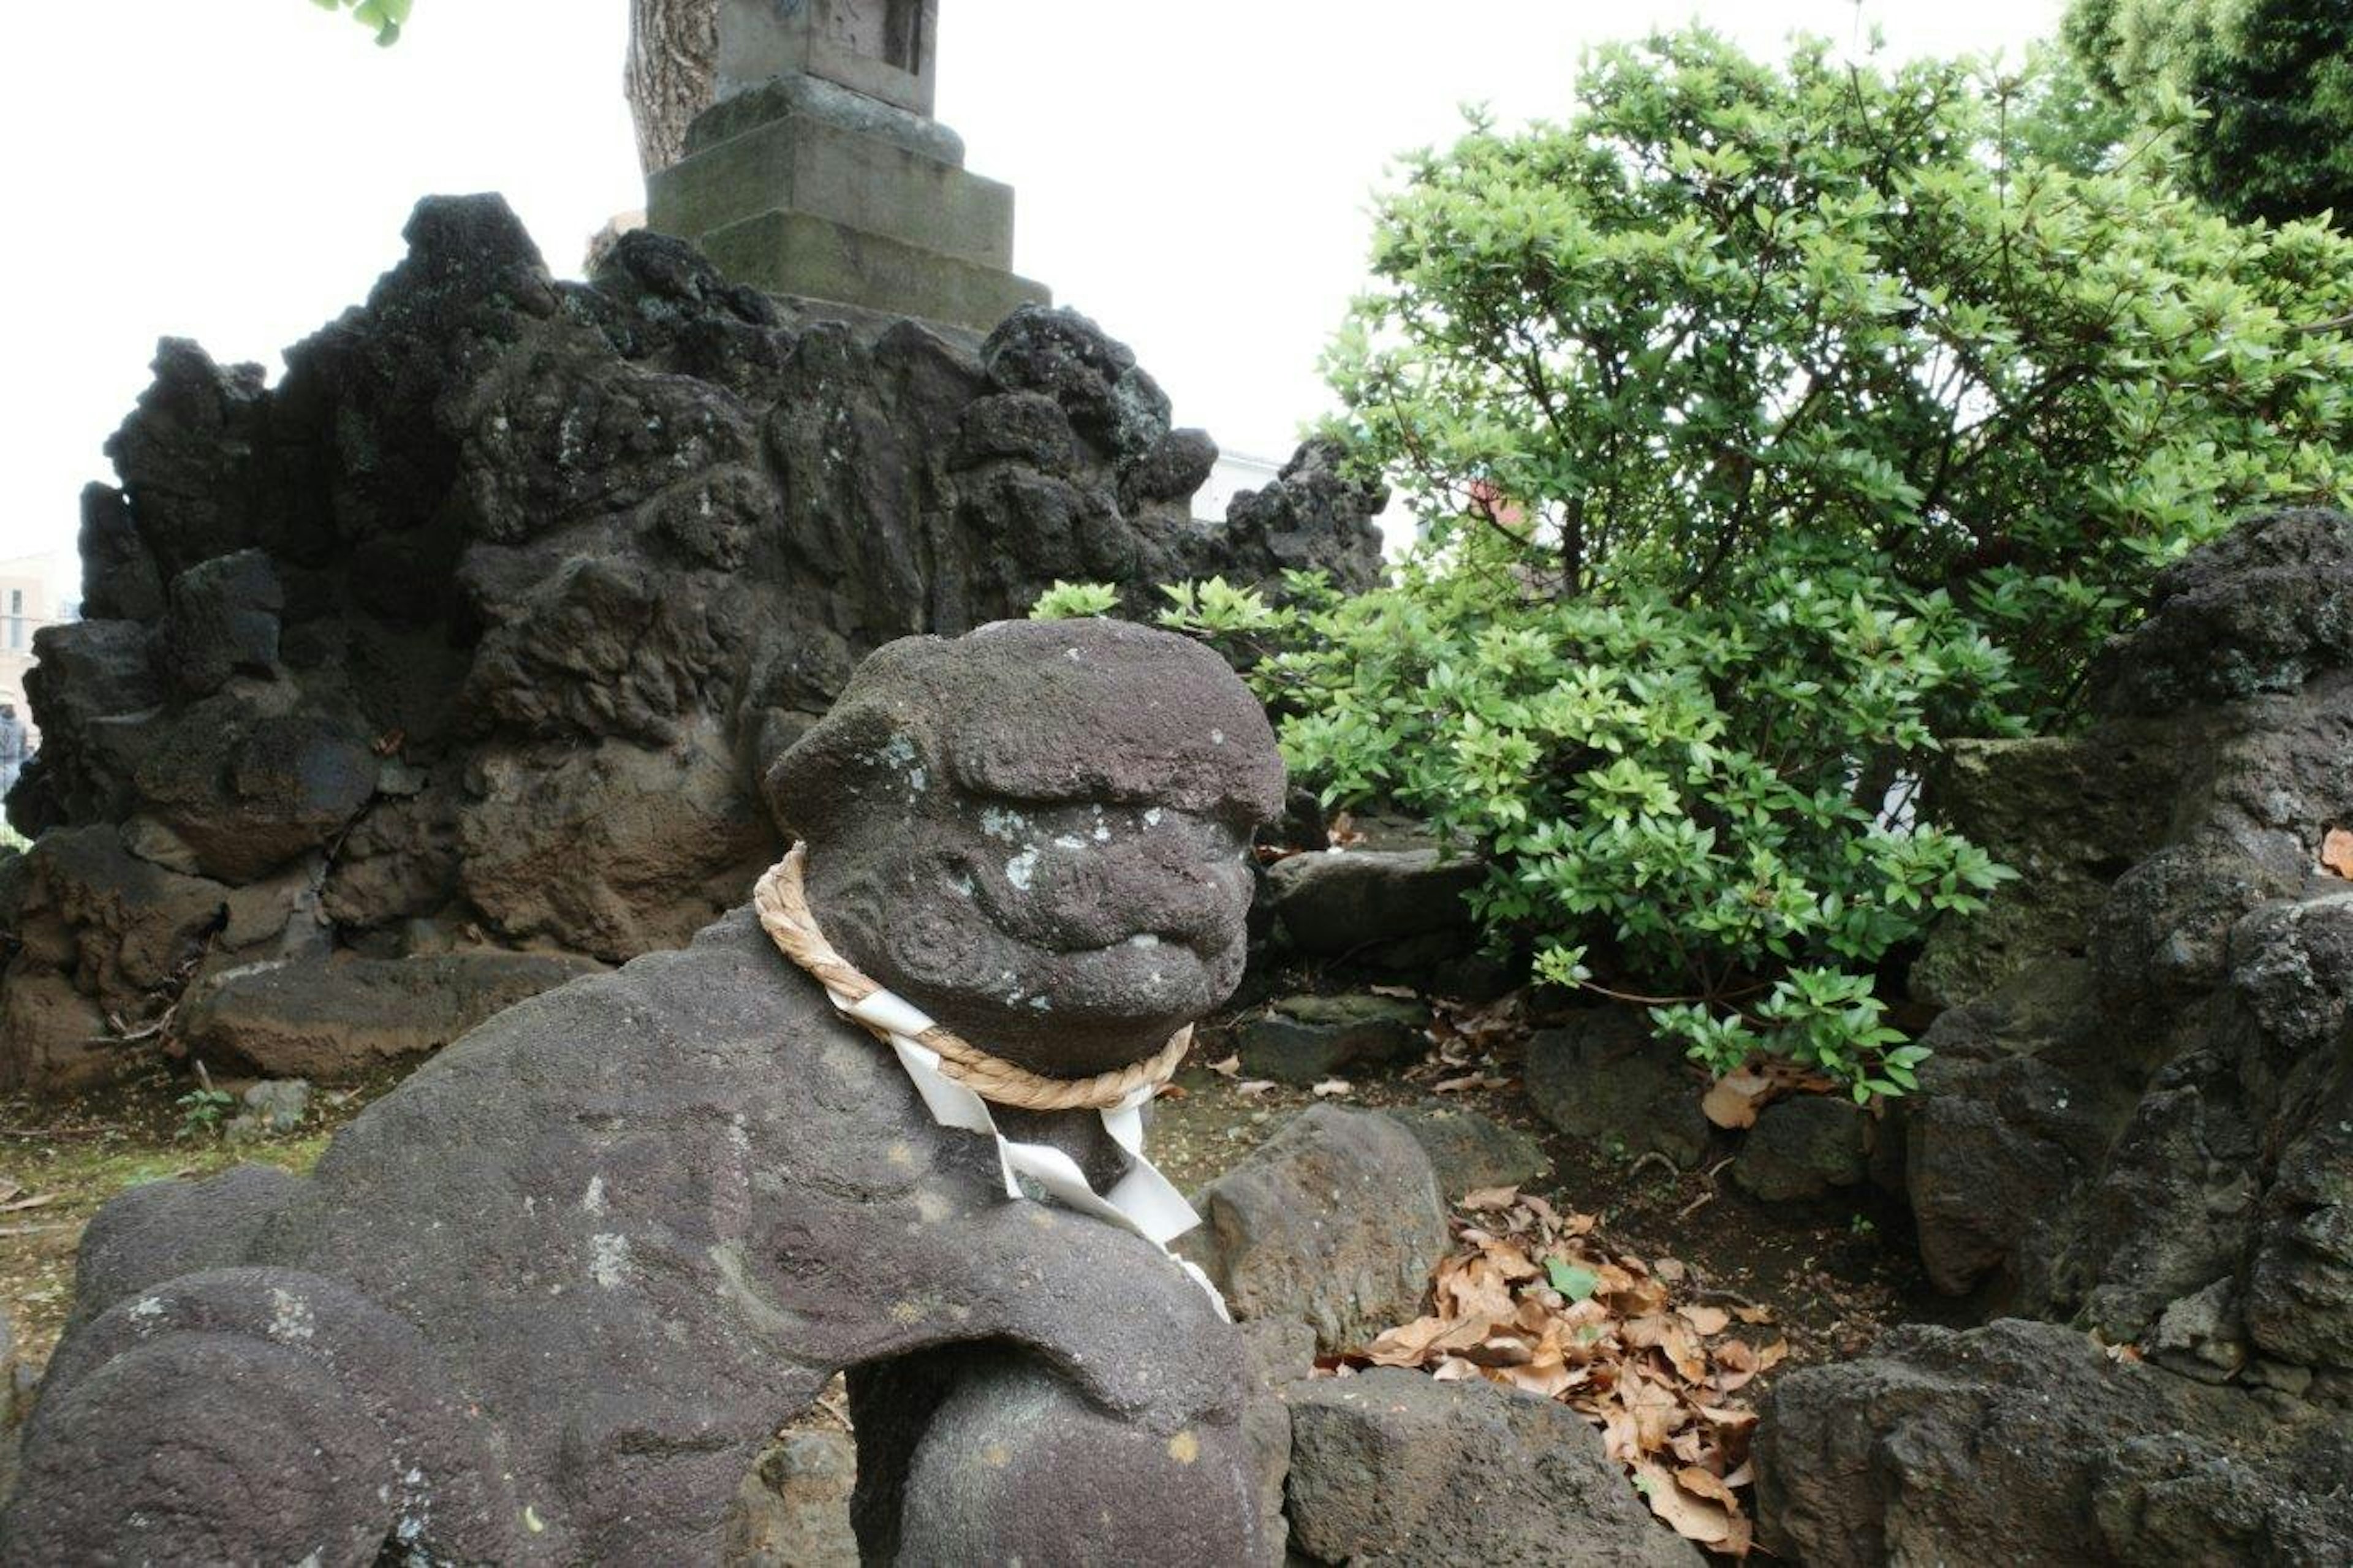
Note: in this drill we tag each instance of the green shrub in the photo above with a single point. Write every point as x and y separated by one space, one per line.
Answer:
1727 303
1681 806
384 18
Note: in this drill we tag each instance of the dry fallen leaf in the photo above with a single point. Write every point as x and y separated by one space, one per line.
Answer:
1693 1517
1172 1092
1331 1088
19 1205
1732 1100
1250 1089
1468 1081
1706 1320
1541 1301
2336 851
1231 1066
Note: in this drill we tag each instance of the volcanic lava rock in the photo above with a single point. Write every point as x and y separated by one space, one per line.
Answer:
479 628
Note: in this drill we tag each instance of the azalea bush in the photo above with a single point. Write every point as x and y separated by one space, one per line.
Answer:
384 18
1726 302
1700 809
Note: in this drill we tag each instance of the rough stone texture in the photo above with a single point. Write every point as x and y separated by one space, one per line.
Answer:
11 1415
2067 818
1601 1075
1395 1468
291 1019
1276 1355
1305 1038
271 1109
2024 1442
1469 1151
2157 1108
2140 1128
1334 1222
793 1510
479 628
1802 1149
551 1299
1340 900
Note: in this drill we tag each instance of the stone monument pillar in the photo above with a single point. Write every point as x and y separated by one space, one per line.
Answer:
819 172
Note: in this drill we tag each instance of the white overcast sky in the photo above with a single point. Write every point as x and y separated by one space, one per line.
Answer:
1194 176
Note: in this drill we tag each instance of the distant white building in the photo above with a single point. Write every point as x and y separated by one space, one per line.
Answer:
26 604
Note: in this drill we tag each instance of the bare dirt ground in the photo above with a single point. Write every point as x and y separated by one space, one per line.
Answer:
1833 1274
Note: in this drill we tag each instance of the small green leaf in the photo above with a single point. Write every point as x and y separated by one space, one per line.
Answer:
1573 1281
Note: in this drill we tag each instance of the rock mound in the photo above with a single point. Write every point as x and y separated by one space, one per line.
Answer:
475 632
2023 1442
2140 1123
2158 1106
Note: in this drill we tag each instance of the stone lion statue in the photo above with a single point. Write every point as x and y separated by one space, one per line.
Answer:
549 1300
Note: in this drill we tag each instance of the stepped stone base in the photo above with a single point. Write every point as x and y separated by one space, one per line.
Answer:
830 196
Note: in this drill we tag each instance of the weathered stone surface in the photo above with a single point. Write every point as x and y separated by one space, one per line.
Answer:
2156 1107
1062 776
1306 1038
1395 1468
2263 609
793 1510
1276 1353
2066 817
271 1109
481 626
1603 1077
1338 900
550 1299
2023 1442
1803 1148
334 1021
1334 1222
1469 1151
223 621
11 1415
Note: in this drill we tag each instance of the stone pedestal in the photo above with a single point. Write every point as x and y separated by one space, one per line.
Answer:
818 172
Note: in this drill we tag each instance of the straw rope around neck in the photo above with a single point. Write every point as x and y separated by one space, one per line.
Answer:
783 906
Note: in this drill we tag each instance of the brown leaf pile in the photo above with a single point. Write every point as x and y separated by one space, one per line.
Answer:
1536 1300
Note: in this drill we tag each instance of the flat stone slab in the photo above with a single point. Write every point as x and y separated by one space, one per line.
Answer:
801 253
801 162
327 1021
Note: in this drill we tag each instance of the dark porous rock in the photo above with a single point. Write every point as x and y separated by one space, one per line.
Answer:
1111 400
551 1299
2026 1442
792 1511
337 1021
223 621
1306 1038
2263 609
1804 1148
1395 1468
2066 816
1468 1150
487 619
2154 1103
1334 1222
1317 515
1341 900
1176 465
1601 1075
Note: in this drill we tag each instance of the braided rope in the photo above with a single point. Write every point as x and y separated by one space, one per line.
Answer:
783 906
